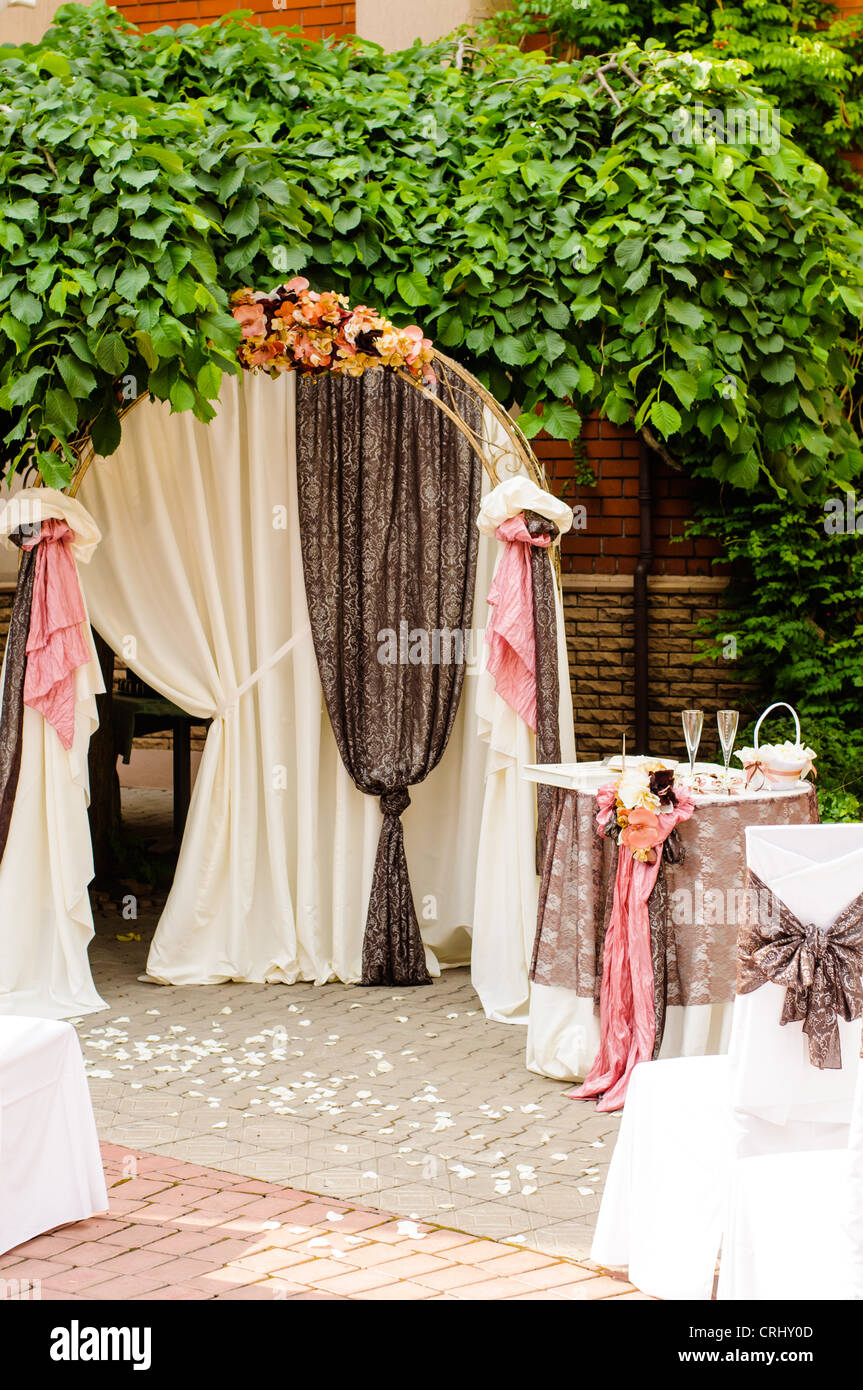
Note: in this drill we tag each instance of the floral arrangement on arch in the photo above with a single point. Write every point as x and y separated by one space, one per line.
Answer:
297 329
633 805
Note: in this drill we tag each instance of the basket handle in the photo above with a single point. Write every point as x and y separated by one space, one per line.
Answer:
780 704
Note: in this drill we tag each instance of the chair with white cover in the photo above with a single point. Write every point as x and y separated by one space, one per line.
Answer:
50 1166
794 1223
688 1120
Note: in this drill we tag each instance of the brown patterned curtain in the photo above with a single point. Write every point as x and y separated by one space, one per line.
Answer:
389 489
12 711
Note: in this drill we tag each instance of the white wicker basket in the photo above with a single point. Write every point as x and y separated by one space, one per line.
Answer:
779 764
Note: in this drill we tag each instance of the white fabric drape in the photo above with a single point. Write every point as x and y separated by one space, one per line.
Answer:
197 584
45 919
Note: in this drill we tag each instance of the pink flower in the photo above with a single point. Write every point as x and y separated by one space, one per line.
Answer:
252 318
301 345
297 285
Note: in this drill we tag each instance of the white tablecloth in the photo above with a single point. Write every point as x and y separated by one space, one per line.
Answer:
50 1166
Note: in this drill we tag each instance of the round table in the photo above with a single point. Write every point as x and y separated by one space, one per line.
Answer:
704 900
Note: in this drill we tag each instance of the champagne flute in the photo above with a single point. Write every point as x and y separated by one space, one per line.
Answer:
726 722
693 722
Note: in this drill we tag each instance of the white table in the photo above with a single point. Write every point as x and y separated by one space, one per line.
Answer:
50 1166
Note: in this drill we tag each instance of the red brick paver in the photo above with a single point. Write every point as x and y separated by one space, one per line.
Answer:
177 1231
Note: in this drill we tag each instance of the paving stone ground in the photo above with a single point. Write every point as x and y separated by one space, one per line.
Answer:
178 1230
408 1101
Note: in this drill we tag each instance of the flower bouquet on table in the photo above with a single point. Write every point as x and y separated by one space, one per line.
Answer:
297 329
773 765
636 810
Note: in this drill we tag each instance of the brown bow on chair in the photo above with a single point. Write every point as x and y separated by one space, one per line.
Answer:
821 968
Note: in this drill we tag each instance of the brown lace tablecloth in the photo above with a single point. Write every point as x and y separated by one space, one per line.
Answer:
704 892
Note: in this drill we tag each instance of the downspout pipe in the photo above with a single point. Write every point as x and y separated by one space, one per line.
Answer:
639 595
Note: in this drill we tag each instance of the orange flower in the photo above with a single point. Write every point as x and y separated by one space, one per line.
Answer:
262 356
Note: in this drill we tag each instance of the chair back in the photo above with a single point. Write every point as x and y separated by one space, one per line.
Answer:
816 871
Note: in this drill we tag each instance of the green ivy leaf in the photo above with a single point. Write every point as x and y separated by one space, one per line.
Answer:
105 432
684 386
685 312
25 306
618 410
243 218
21 389
562 421
513 351
779 369
181 396
79 379
530 424
563 378
671 249
131 281
744 472
209 380
61 412
112 354
629 252
413 288
55 470
17 332
666 419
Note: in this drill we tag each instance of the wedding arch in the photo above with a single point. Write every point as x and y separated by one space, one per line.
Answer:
309 571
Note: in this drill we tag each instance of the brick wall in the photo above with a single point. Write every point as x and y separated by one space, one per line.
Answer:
328 18
609 542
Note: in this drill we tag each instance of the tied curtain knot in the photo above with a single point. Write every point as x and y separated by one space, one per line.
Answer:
395 802
510 635
820 967
522 642
56 646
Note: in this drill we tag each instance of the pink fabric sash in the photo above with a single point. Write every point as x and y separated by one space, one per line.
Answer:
627 1019
55 645
510 636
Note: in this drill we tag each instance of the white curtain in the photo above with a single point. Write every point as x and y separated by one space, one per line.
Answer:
45 918
198 585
